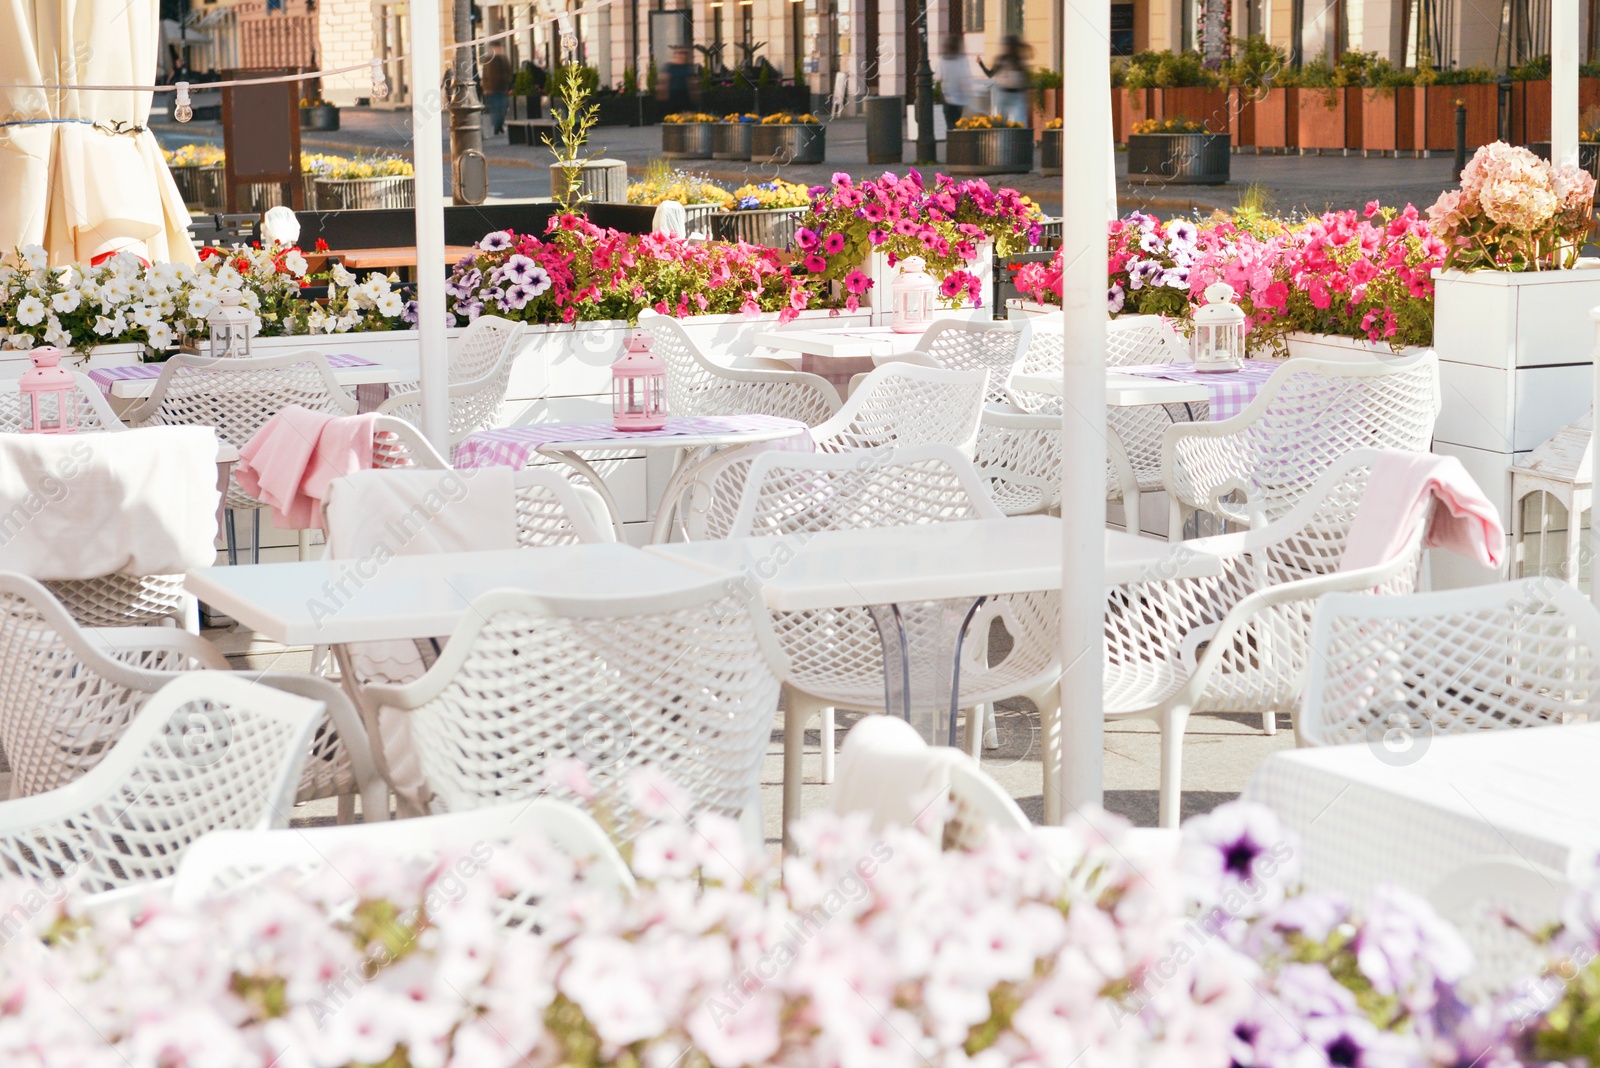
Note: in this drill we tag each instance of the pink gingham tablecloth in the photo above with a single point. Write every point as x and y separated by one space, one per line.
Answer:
1231 391
104 377
514 446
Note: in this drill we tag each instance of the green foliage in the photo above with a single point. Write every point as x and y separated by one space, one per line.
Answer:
1535 70
522 83
1044 78
1465 76
1256 63
574 119
630 82
1167 70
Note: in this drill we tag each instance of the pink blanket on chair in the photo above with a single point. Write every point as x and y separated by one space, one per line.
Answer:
292 458
1401 486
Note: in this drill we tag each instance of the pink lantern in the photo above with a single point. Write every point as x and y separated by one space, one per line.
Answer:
49 395
638 387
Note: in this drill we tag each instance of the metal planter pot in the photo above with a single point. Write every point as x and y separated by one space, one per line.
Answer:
319 117
201 187
1005 151
701 217
259 196
772 227
1050 152
731 140
351 194
792 143
686 140
1189 159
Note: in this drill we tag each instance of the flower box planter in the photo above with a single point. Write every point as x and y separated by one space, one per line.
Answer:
1135 106
788 143
1050 152
686 140
1242 116
773 227
1191 159
354 194
879 302
731 140
1337 347
1388 119
1330 119
324 117
201 186
1278 119
1003 151
1515 366
1588 154
1016 308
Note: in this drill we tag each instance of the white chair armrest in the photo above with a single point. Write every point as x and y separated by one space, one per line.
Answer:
137 647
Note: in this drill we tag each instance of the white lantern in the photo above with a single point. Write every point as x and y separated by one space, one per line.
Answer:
230 325
912 292
1552 494
1218 342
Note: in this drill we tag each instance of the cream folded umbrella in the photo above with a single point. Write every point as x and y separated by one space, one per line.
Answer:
82 174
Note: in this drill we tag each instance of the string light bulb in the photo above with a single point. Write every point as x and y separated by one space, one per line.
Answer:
569 38
380 84
182 110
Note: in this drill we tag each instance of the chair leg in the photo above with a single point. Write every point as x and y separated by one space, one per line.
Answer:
797 709
232 535
827 746
1177 517
255 535
974 737
1172 727
991 729
1269 723
1048 702
347 809
303 546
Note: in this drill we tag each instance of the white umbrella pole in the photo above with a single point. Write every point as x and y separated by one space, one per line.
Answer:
1564 81
1086 191
428 157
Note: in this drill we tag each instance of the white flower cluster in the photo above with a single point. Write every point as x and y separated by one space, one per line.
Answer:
352 301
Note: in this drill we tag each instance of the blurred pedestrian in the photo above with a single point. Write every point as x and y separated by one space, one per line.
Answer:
679 71
1010 77
955 79
495 80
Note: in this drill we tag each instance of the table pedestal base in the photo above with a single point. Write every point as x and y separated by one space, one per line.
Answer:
922 663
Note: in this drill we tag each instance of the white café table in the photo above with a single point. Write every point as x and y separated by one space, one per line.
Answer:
893 571
376 375
839 354
335 602
1122 391
1413 809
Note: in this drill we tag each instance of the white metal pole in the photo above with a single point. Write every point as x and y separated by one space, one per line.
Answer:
428 157
1086 110
1564 81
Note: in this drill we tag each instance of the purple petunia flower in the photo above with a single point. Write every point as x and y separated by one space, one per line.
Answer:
518 269
498 241
410 313
1115 299
538 280
806 238
517 297
1240 859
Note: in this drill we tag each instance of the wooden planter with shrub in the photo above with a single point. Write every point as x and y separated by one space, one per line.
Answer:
1242 116
1435 109
686 140
1203 103
1530 108
1389 119
1330 119
1135 108
1278 119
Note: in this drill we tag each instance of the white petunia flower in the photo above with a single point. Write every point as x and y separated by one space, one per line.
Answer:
30 311
390 304
36 256
160 335
108 326
56 336
295 264
66 301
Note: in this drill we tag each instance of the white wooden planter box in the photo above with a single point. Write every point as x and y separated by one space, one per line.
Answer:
1515 366
1334 347
1030 309
881 301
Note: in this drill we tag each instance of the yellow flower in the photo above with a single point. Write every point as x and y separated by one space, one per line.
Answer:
786 118
774 194
986 122
679 117
195 156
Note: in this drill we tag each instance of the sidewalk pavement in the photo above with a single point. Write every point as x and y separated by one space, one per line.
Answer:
1286 183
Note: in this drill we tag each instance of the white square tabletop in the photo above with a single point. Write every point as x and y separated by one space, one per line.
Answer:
331 602
926 562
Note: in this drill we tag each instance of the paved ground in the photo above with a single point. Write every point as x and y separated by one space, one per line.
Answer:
1289 183
1220 752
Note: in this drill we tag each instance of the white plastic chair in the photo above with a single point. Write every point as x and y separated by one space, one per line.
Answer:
550 510
998 347
92 410
397 443
681 681
67 695
1019 458
1514 654
697 386
1309 413
1496 904
835 656
237 397
110 600
480 363
208 751
225 861
1254 620
898 404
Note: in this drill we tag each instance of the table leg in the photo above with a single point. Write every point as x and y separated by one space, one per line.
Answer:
922 663
683 475
580 465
